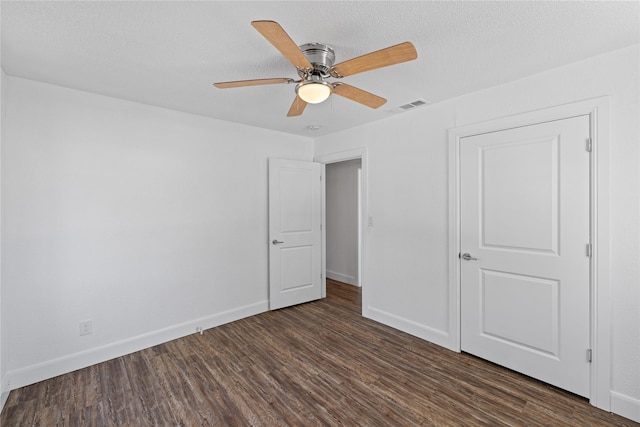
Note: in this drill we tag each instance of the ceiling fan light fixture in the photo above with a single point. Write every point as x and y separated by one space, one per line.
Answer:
314 63
314 92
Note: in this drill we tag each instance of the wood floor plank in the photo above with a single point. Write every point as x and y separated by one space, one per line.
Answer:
316 364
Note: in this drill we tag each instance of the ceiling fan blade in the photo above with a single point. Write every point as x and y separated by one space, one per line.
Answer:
297 107
273 32
358 95
402 52
255 82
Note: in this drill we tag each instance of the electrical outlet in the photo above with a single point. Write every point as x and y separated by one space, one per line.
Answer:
86 327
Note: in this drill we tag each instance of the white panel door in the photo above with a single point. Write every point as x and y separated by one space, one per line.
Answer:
525 227
295 239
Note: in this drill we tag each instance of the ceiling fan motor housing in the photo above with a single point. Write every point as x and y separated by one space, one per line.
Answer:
321 57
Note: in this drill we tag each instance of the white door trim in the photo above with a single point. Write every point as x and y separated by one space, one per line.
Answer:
341 156
598 110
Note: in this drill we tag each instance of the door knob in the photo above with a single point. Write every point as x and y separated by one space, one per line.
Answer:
467 257
276 242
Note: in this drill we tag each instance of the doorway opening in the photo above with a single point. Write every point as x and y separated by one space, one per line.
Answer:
345 213
343 221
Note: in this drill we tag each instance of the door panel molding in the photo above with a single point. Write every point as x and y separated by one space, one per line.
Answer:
598 110
493 297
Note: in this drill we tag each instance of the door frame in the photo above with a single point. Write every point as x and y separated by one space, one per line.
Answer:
341 156
598 110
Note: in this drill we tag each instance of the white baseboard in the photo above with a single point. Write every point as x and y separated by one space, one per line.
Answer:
5 393
62 365
344 278
427 333
625 406
3 399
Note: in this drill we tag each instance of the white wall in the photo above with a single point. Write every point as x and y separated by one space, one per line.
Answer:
148 221
407 247
342 220
4 348
4 393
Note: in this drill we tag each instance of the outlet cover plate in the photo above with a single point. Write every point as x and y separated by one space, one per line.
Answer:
86 327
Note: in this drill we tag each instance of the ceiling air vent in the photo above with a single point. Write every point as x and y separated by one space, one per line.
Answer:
409 106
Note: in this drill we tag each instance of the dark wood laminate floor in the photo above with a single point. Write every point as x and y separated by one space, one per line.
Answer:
319 363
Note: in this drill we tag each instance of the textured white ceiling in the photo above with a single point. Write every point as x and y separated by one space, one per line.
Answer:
169 53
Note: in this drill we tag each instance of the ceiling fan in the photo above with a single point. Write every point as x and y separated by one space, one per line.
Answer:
314 63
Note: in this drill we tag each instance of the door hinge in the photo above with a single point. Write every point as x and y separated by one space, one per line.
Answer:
589 355
589 250
589 144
